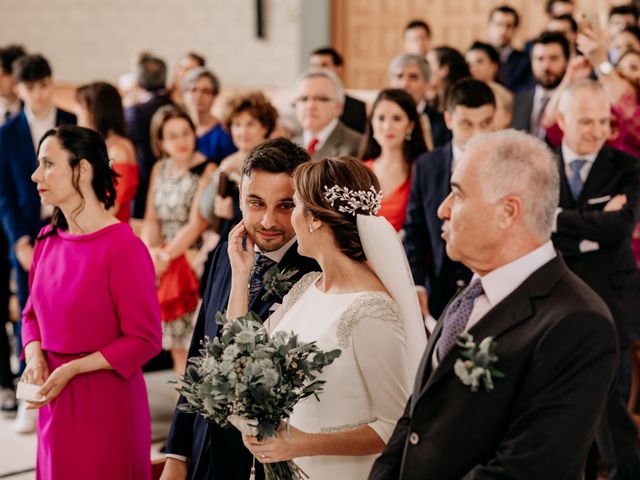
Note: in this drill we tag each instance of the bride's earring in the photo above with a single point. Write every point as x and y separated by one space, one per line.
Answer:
310 228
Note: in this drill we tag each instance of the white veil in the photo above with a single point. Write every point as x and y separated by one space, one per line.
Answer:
387 259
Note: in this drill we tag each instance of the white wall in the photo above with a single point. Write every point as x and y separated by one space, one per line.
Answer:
88 40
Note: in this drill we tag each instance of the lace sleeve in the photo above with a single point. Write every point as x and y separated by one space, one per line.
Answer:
370 305
378 340
291 298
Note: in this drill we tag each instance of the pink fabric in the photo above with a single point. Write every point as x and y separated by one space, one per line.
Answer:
90 293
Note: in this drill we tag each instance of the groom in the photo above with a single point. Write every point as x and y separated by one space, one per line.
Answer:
197 449
554 340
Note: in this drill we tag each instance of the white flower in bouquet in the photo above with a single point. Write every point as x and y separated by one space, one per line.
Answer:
252 380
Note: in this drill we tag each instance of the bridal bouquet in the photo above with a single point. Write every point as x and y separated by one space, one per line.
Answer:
252 380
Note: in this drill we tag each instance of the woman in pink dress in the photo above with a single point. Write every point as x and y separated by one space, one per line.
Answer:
391 144
91 322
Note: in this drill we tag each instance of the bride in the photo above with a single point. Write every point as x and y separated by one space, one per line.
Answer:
363 302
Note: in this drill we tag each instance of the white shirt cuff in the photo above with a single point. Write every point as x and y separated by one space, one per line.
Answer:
588 246
176 457
554 227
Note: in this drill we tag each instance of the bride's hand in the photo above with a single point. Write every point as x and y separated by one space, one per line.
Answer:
288 443
241 258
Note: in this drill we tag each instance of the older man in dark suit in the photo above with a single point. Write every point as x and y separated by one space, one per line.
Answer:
319 103
599 207
470 108
520 395
197 449
151 75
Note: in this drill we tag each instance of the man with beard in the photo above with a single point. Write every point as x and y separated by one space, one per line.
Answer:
196 448
549 59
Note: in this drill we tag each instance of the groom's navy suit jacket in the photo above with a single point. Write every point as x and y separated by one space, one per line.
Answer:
214 452
557 348
425 248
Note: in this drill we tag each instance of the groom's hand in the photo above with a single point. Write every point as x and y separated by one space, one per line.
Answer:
174 469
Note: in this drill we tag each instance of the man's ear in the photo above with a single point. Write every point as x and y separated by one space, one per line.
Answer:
447 119
510 210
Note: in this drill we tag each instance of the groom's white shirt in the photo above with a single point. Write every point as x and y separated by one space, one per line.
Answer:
501 282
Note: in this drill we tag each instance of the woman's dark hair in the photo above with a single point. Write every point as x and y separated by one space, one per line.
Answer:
633 30
488 49
83 144
158 121
452 58
256 105
104 104
414 146
310 179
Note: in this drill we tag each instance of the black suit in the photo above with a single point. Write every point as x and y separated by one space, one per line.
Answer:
522 110
440 134
138 123
354 114
214 452
516 72
611 271
556 346
425 248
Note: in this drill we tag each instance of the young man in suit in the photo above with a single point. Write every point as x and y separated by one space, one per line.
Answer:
151 76
10 106
21 212
470 109
354 113
196 448
515 69
549 60
598 209
551 336
319 103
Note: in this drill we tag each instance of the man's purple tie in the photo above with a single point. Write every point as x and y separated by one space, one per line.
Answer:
575 182
456 317
261 266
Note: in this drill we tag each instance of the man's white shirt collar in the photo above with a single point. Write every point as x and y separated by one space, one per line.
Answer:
322 135
501 282
277 255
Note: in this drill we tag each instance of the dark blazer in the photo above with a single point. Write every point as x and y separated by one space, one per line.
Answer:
439 131
516 72
354 114
19 199
214 452
522 109
342 141
556 346
138 123
425 248
610 269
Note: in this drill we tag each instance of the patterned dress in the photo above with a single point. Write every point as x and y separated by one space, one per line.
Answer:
172 200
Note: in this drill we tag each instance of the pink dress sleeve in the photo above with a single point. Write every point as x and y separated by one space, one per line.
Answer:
132 285
30 327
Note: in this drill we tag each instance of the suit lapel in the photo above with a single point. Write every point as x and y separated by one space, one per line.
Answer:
600 173
25 143
328 148
511 311
441 182
566 197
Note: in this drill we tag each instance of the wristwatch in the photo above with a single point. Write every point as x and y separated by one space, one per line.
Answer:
605 68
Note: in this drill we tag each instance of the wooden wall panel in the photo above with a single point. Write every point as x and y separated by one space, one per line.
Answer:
369 32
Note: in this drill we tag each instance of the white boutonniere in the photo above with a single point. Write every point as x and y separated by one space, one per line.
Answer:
476 366
278 282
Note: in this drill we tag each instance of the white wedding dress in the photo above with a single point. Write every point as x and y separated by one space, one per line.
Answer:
369 383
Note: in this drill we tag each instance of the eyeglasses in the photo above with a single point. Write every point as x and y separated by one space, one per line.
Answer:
314 98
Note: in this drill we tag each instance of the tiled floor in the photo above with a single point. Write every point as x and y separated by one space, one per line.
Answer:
17 452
